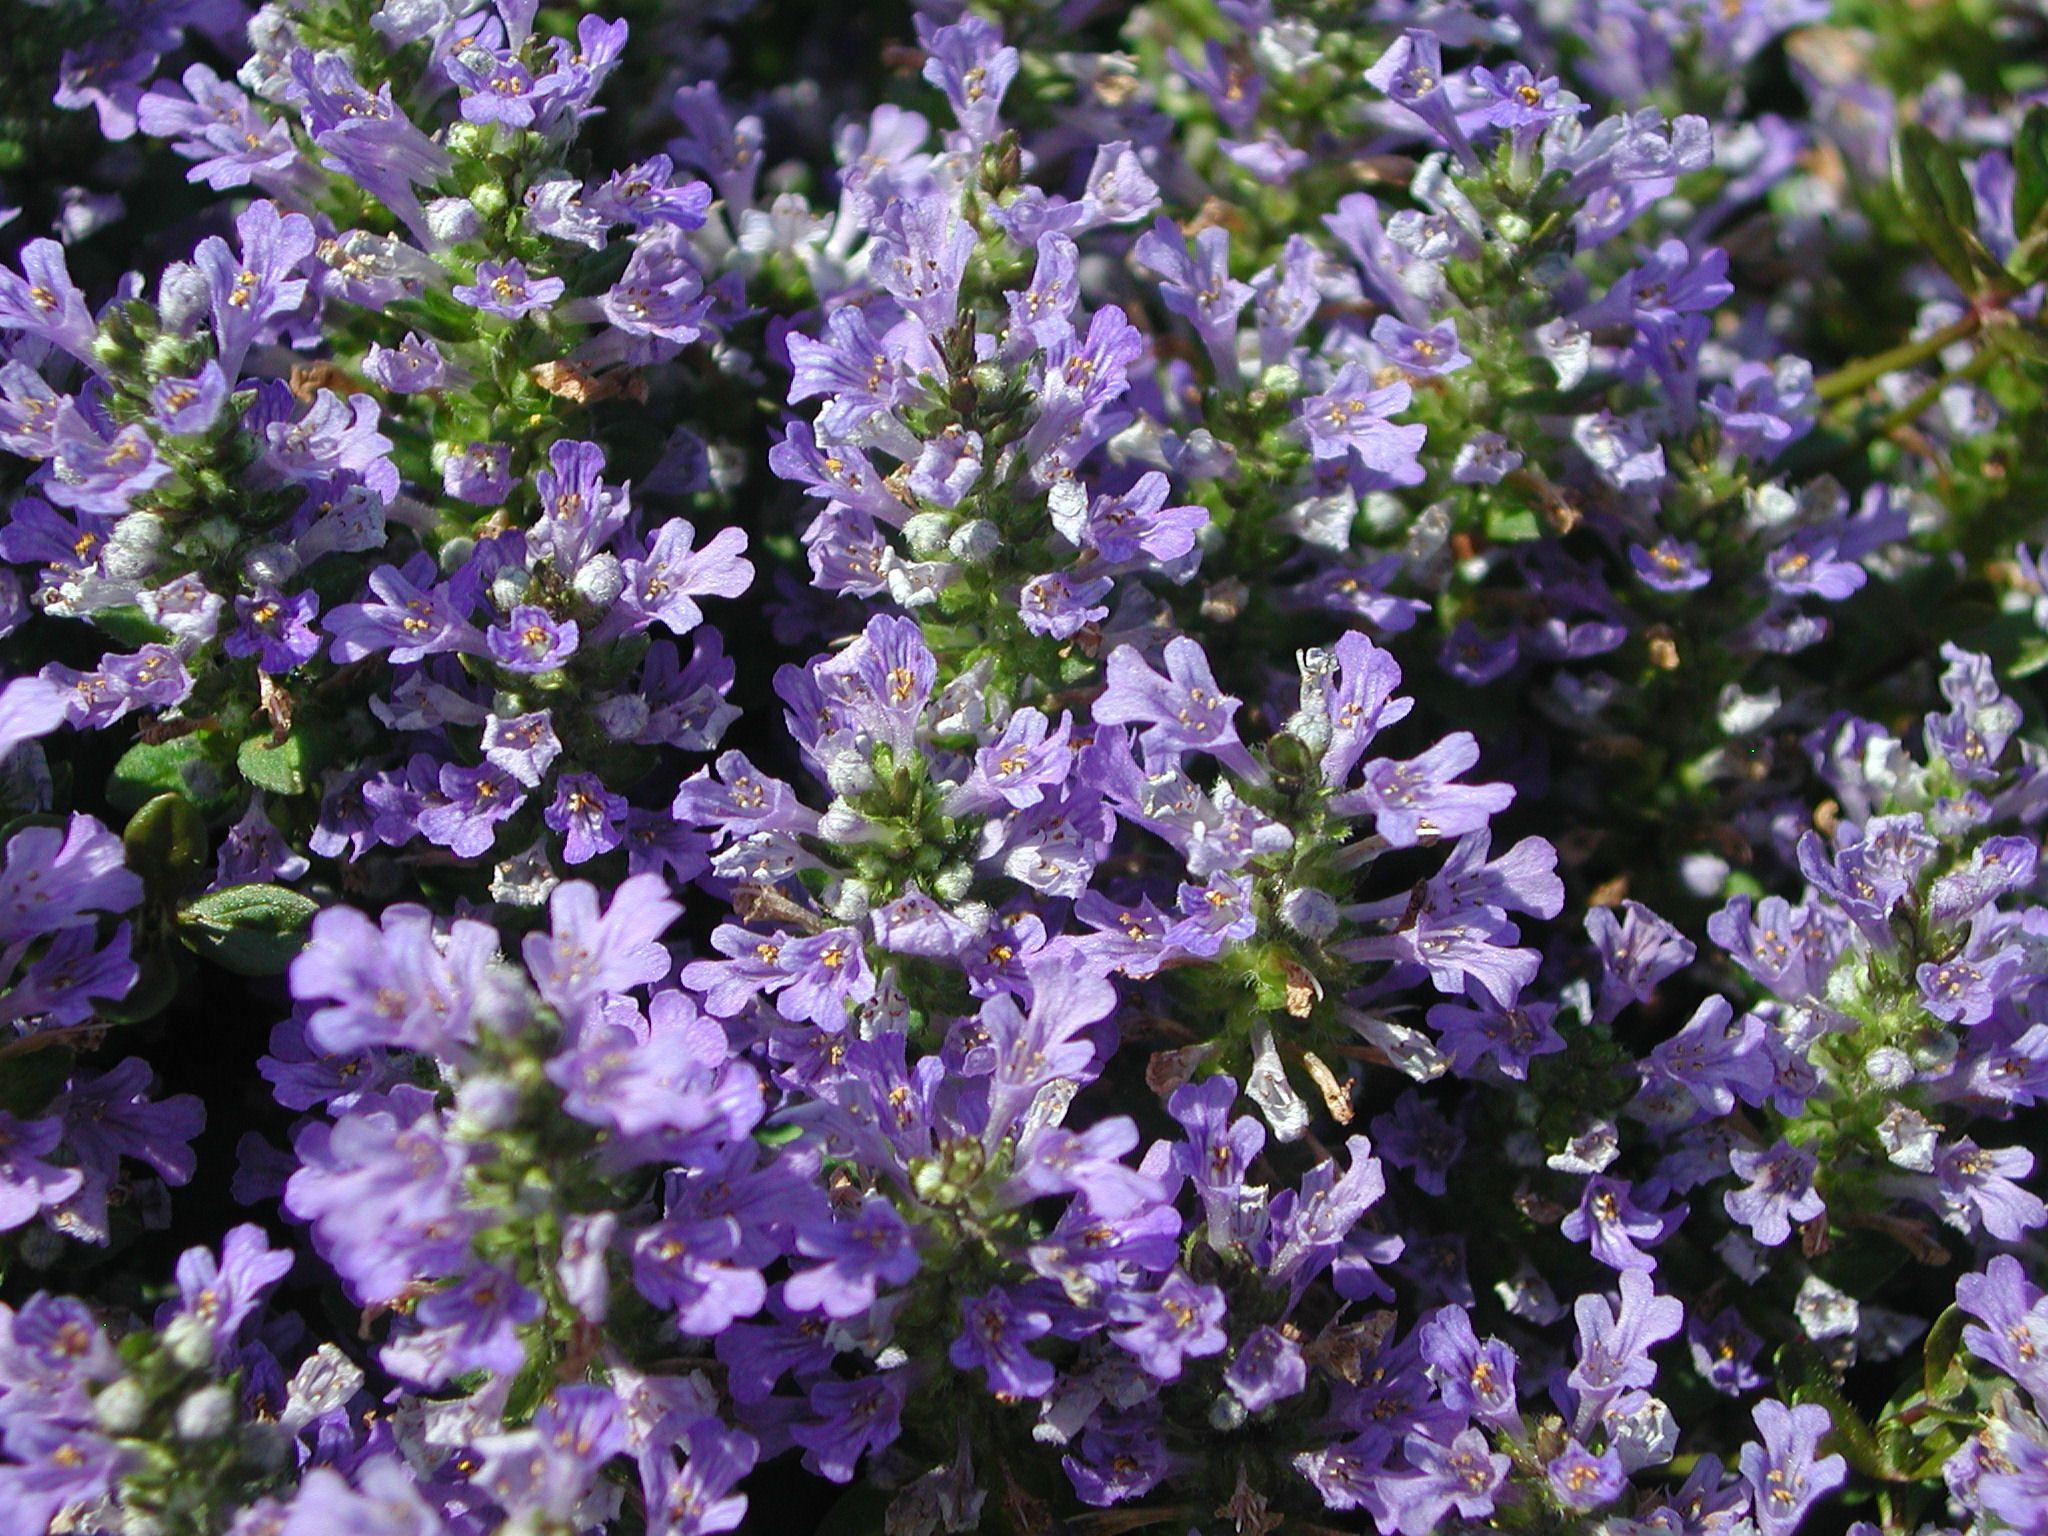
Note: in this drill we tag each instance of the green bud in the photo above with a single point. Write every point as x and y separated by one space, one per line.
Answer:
490 199
471 139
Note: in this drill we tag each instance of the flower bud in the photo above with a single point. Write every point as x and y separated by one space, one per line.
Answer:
189 1342
207 1414
973 543
841 823
182 298
483 1106
600 581
1226 1414
1309 912
953 882
131 552
849 774
925 534
851 900
452 220
508 587
120 1406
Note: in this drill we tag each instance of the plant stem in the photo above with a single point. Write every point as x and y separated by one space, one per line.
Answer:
1855 377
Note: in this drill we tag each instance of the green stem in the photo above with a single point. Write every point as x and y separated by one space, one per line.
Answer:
1855 377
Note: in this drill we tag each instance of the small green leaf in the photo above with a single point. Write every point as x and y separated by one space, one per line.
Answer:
2032 658
2030 170
279 769
252 929
130 625
1512 525
1937 201
197 765
166 842
1942 1370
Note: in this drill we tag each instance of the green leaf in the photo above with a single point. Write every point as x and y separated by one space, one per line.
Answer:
130 625
252 929
1937 201
166 841
2030 170
197 765
280 769
1942 1369
1512 525
2032 658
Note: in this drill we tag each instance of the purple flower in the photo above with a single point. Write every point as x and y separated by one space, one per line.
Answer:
860 1252
1636 952
1780 1192
1182 711
1611 1224
661 587
1784 1479
588 816
28 1183
1057 605
531 640
1724 1351
969 62
848 1419
43 303
1267 1369
1475 1377
464 815
1180 1320
1353 417
1416 801
1411 72
413 367
99 469
1979 1186
248 291
1520 101
995 1327
1716 1059
480 473
1424 353
2011 1331
410 617
57 878
276 629
503 288
1198 287
1463 1475
188 407
1669 565
701 1497
587 952
1765 407
661 293
1582 1481
1055 1161
1615 1342
222 1294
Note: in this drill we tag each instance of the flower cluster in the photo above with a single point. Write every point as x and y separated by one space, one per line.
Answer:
1198 764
